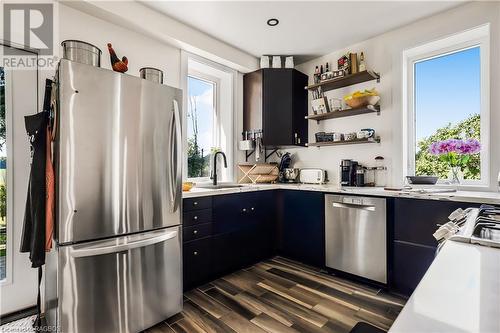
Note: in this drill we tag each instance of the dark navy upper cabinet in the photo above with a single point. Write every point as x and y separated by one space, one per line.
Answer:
302 226
275 102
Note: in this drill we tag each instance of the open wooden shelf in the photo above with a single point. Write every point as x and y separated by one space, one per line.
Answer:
345 81
343 143
345 113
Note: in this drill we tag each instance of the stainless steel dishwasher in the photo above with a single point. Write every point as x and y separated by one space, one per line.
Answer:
355 236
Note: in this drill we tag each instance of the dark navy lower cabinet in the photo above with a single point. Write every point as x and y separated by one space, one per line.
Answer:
224 233
302 226
413 248
411 261
197 256
241 232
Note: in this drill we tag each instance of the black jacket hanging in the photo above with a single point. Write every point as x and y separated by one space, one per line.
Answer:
33 236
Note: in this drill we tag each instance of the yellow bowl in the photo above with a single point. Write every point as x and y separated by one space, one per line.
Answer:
357 102
187 186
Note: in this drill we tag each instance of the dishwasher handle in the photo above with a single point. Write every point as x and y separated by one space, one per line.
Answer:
354 206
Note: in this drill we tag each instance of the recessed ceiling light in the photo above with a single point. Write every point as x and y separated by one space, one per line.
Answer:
272 22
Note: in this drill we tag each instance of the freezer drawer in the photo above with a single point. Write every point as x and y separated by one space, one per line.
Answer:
355 236
125 284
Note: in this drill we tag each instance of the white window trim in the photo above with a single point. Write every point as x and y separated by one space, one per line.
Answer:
216 119
479 36
10 181
230 150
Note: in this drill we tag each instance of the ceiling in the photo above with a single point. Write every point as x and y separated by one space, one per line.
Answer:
306 29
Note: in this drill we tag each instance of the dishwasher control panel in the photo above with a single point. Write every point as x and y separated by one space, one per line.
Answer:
353 200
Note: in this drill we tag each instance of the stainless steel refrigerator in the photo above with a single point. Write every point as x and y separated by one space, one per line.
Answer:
116 265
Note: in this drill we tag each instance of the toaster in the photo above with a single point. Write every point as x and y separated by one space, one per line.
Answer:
313 176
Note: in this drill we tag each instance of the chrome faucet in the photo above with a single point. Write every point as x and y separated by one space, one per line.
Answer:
214 174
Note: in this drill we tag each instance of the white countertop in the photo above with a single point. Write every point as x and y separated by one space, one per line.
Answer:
465 196
459 293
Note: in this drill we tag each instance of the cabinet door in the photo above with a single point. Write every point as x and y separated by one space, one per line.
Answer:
244 229
197 263
277 107
299 108
262 221
302 227
252 101
410 263
228 253
230 213
416 220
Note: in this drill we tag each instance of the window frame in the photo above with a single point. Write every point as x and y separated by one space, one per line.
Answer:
228 101
477 37
216 114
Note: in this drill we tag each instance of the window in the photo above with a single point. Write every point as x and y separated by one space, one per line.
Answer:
201 117
208 121
447 93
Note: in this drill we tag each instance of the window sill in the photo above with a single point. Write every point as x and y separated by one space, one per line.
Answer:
478 187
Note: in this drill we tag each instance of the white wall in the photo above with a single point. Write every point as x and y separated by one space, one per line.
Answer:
141 51
136 16
384 54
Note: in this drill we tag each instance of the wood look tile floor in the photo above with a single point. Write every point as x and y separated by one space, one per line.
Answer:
280 295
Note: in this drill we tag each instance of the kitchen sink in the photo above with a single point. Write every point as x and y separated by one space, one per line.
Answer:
218 186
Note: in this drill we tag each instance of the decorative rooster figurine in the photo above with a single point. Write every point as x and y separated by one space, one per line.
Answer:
117 64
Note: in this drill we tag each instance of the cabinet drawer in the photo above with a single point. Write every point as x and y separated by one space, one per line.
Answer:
196 232
196 217
190 204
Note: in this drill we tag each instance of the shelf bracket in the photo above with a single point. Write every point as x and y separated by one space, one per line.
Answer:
266 155
247 155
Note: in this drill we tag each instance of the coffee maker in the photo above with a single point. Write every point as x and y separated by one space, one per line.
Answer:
348 173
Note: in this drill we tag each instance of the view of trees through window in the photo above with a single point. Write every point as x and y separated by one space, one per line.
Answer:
3 190
447 92
200 126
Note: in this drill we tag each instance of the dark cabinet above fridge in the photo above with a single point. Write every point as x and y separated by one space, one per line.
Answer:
275 106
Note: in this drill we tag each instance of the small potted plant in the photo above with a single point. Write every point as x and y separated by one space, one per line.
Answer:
456 153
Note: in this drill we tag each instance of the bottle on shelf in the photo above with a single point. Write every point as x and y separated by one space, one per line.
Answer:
362 64
316 75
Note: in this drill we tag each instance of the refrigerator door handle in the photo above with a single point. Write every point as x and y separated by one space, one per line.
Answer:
175 170
96 250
